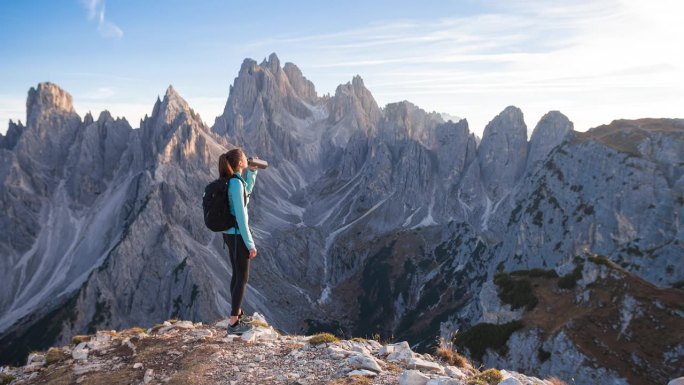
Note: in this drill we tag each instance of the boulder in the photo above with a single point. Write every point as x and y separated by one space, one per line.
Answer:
363 361
357 347
260 334
200 333
510 381
223 324
443 381
362 372
425 366
413 377
149 375
35 358
455 372
184 325
400 352
80 354
336 353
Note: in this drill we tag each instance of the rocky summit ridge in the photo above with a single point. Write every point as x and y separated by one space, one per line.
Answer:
183 352
370 220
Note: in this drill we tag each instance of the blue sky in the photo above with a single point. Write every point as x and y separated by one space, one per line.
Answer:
594 60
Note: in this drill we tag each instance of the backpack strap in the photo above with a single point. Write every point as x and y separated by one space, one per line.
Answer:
244 190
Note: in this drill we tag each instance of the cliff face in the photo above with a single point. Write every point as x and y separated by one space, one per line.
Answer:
369 220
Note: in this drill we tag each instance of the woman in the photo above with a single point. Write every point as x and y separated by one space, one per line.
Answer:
239 239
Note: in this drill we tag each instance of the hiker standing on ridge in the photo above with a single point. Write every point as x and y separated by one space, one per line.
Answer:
238 238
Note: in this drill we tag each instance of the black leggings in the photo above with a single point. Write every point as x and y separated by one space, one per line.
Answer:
239 259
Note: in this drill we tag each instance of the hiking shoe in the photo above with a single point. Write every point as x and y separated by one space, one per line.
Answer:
245 318
239 328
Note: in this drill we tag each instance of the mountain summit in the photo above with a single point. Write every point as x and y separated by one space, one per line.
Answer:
182 352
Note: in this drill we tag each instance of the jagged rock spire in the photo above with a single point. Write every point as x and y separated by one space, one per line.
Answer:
502 153
549 132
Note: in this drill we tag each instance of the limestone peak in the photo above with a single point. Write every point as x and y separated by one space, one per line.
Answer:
49 95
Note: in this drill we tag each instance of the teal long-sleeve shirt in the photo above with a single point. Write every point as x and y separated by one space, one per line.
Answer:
238 206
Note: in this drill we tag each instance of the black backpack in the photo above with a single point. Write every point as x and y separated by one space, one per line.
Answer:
216 206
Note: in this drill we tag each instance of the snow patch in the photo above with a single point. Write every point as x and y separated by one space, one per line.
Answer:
428 220
627 312
489 210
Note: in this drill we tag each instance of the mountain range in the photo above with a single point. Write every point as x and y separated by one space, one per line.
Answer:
370 220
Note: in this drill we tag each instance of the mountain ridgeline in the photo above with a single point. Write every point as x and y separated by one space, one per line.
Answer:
370 220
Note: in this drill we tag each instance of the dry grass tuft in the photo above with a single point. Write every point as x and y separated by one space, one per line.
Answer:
475 381
392 367
322 338
134 330
353 380
488 377
78 339
556 381
156 327
287 348
6 378
259 323
451 357
54 355
111 333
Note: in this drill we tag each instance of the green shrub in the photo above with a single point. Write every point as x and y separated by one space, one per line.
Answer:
569 281
543 355
536 273
485 336
515 292
322 338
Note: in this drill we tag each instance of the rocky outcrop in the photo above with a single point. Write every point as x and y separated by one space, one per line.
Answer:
187 352
566 329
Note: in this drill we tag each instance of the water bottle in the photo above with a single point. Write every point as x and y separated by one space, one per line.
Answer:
258 163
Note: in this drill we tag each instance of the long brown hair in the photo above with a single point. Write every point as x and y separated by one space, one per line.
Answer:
228 162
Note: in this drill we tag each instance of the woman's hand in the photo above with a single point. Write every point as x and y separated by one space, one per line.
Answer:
253 168
252 253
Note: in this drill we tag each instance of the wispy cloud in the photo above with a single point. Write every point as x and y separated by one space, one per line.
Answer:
100 93
11 108
96 11
588 58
